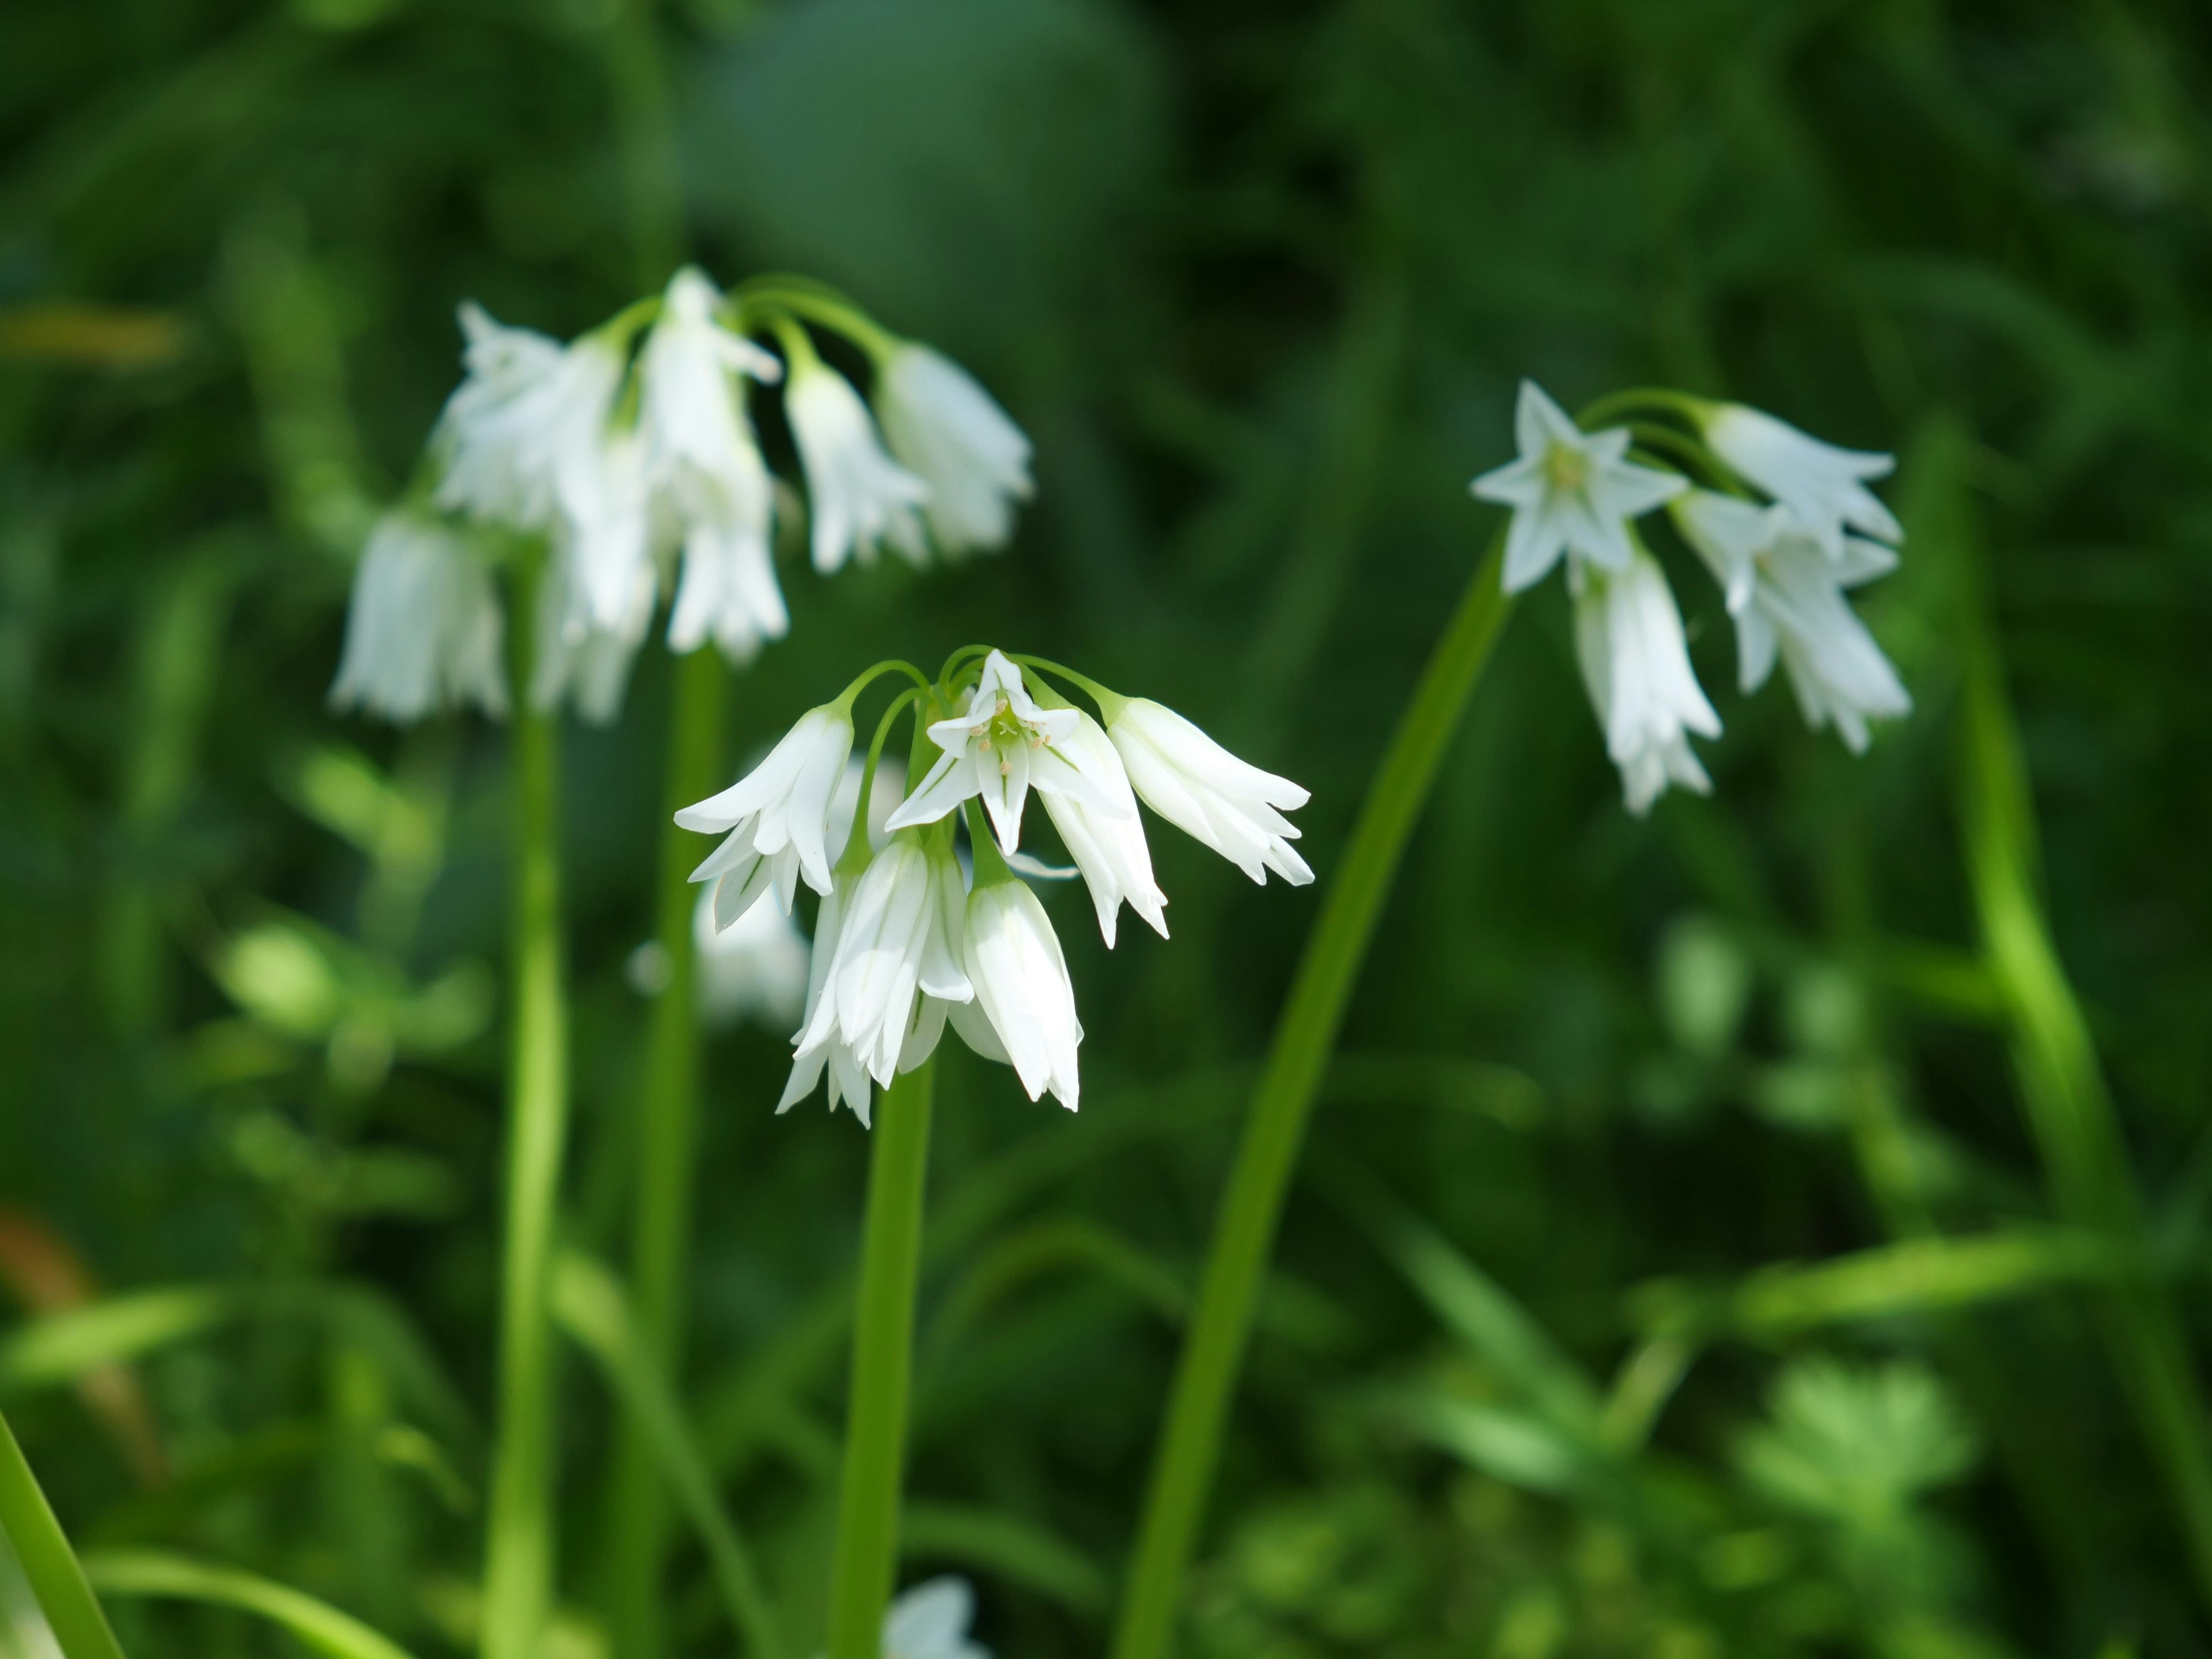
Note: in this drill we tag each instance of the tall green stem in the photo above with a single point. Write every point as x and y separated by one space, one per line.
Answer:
518 1543
47 1560
1244 1232
638 1509
883 1358
2070 1112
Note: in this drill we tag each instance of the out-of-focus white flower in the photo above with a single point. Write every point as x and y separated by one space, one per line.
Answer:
1013 960
1822 486
423 628
1786 594
755 968
706 475
777 816
1000 746
1108 847
1636 663
1206 792
931 1621
1570 491
898 937
580 659
856 495
518 434
947 431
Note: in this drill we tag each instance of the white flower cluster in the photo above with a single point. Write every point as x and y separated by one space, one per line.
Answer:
1783 564
908 938
643 472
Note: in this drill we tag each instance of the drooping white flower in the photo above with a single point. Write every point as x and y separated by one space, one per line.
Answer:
423 628
1570 491
706 475
931 1621
898 937
602 537
1822 486
1013 960
856 495
1208 793
517 435
1635 662
1786 594
1000 746
1108 847
947 431
849 1078
580 659
776 816
755 968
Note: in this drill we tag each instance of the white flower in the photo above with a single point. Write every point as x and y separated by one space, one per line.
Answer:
1786 594
1020 978
423 629
856 495
898 937
1823 486
1108 847
1208 793
602 537
848 1079
517 435
777 816
756 967
931 1621
1636 663
946 430
580 658
706 475
1570 491
999 746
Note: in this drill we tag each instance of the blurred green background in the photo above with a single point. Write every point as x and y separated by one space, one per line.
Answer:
1260 280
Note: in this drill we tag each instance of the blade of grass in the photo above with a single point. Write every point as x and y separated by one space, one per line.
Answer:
317 1624
40 1546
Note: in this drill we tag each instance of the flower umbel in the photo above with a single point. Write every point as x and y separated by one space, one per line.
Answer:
1570 491
423 629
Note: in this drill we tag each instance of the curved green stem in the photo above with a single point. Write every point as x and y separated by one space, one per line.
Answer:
48 1562
638 1511
519 1543
1663 400
1106 700
882 1358
1245 1231
817 303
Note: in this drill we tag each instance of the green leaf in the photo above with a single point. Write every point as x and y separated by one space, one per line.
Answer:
318 1623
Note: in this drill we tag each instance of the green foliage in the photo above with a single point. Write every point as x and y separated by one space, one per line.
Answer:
1694 1199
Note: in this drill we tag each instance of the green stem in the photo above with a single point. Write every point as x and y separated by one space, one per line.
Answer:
1244 1232
883 1358
638 1513
2070 1112
48 1562
519 1543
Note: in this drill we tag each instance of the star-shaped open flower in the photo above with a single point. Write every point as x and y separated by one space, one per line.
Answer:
1572 492
1001 745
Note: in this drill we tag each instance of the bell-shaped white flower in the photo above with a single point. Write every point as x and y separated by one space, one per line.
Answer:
1787 596
706 475
1108 847
1206 792
1824 487
755 968
518 436
580 659
602 535
947 431
776 817
856 495
931 1621
849 1078
1013 960
1635 662
1000 746
1570 491
898 937
423 628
